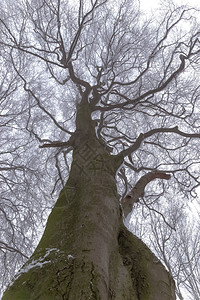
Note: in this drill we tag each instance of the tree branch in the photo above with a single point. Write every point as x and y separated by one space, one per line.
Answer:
161 86
4 245
138 190
143 136
158 212
38 100
56 144
151 92
77 80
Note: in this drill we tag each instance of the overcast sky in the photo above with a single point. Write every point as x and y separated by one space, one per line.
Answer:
152 4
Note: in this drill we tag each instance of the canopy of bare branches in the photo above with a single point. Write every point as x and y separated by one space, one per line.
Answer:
141 77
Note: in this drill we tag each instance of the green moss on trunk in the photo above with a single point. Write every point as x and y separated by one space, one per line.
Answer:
151 279
85 253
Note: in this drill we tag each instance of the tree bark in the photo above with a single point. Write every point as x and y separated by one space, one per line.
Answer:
138 190
85 251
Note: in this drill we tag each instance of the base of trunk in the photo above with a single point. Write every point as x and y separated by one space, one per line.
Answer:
134 274
85 252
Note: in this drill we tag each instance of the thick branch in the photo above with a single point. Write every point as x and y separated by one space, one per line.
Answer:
138 190
32 53
151 92
154 91
143 136
67 59
82 23
55 144
75 79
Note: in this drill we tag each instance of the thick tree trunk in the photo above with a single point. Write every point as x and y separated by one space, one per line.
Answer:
86 252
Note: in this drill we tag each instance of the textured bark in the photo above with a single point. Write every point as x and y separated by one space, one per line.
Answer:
86 252
138 190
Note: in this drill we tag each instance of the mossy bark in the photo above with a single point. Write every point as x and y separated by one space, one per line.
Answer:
85 252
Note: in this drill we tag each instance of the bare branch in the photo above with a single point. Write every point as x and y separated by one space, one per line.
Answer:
5 246
158 212
138 190
143 136
56 144
39 103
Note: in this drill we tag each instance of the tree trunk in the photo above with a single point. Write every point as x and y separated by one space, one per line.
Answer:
86 252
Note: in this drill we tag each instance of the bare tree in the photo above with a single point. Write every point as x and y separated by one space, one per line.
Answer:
178 250
175 244
122 93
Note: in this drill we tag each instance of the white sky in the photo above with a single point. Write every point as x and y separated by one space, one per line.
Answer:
152 4
150 7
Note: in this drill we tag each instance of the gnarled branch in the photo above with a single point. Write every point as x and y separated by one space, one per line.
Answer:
138 190
149 133
56 144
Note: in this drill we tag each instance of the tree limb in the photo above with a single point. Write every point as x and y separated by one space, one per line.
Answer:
158 212
138 190
147 134
4 245
55 144
153 91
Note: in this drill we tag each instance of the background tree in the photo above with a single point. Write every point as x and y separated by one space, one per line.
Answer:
178 250
120 91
